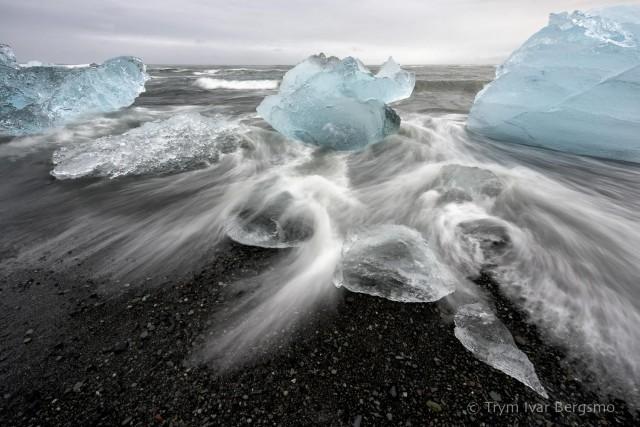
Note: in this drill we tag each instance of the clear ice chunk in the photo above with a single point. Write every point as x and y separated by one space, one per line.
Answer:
472 181
574 86
34 98
270 221
184 141
487 241
393 262
337 103
482 333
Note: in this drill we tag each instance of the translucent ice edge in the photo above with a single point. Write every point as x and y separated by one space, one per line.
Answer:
337 103
36 97
480 331
574 86
184 141
393 262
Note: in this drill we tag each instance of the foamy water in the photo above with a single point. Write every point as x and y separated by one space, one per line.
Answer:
209 83
558 232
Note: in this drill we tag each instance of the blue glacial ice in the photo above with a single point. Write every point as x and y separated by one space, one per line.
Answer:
34 98
337 103
574 86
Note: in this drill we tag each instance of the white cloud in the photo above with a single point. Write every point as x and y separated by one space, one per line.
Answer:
279 31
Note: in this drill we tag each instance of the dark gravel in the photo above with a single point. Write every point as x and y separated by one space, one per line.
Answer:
75 351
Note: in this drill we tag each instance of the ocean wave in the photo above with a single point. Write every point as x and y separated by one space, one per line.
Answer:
209 83
256 69
171 69
472 86
206 72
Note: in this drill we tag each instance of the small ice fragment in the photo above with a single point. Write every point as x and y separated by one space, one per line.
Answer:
574 86
337 103
487 241
33 98
482 333
184 141
270 222
473 181
393 262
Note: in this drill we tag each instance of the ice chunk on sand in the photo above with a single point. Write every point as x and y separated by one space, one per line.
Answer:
393 262
337 103
482 333
573 86
184 141
34 98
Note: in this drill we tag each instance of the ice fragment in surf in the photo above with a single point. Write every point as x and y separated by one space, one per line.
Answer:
184 141
270 221
487 242
573 86
393 262
480 331
38 97
337 103
465 183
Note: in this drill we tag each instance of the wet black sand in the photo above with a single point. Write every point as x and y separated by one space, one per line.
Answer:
74 351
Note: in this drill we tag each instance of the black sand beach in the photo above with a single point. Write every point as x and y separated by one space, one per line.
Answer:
75 352
195 232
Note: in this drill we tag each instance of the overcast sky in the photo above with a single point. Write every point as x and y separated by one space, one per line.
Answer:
274 32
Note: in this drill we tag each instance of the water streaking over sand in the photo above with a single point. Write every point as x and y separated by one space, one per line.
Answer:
558 232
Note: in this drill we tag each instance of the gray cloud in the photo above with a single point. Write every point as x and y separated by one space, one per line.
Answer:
274 32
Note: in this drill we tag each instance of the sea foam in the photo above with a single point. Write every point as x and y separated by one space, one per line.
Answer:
209 83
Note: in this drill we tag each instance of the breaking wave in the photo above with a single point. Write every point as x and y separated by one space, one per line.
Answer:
206 72
209 83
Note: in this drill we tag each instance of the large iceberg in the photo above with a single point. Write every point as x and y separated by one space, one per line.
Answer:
33 98
573 86
337 103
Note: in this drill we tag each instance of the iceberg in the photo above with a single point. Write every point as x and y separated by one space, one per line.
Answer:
181 142
573 86
36 97
7 57
337 103
393 262
482 333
